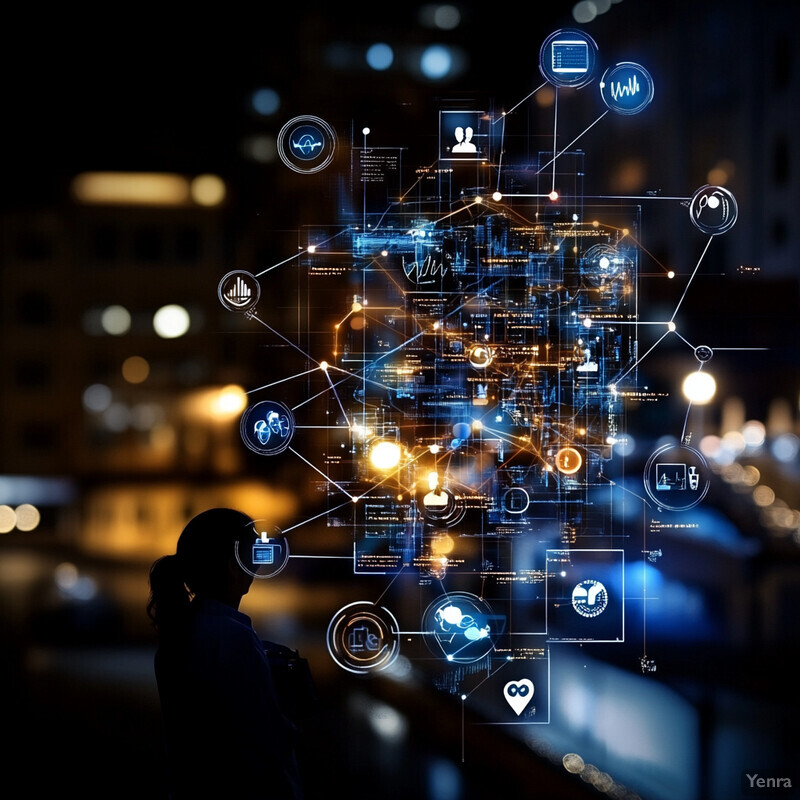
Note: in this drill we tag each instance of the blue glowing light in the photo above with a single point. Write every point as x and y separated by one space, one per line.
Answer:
436 61
380 56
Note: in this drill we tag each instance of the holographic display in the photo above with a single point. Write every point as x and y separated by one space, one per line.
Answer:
468 354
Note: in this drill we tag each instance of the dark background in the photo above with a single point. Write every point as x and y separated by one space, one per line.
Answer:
148 89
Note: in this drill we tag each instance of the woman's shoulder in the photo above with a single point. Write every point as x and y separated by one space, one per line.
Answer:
212 619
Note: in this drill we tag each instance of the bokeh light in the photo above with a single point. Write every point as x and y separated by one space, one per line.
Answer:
116 320
8 519
380 56
135 369
28 517
754 433
265 101
208 190
230 401
171 321
97 397
436 62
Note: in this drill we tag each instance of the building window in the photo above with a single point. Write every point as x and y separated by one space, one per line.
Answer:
782 61
33 246
187 244
32 374
148 245
39 437
105 243
35 309
780 231
780 161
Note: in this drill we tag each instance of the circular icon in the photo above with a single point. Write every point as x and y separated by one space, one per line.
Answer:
703 353
441 507
363 637
516 500
480 356
626 88
267 427
568 460
713 210
590 598
306 144
602 264
568 57
676 477
239 291
263 552
461 627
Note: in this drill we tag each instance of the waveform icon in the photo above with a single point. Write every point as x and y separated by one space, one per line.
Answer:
629 89
306 144
427 271
626 88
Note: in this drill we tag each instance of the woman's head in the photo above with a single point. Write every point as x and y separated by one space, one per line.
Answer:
207 547
204 564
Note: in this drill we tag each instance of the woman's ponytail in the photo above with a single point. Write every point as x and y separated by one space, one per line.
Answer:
169 597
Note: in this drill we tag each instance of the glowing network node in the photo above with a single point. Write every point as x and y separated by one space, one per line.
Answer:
699 387
385 455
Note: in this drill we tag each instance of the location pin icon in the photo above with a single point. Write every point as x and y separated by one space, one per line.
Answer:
518 694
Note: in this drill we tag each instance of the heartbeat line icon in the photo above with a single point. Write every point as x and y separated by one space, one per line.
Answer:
629 89
306 145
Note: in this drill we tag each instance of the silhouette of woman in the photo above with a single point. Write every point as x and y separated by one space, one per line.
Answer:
224 732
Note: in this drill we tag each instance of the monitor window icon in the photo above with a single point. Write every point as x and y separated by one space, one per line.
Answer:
670 477
570 55
263 553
